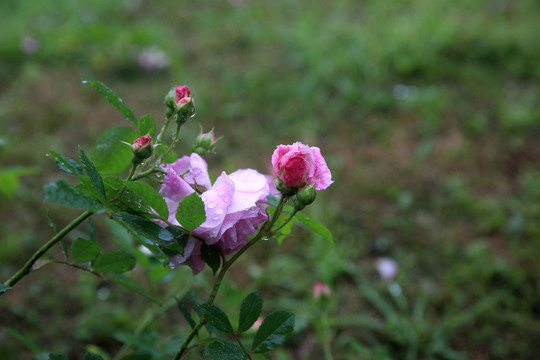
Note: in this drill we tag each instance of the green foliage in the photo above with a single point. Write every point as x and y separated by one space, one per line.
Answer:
406 106
4 288
211 256
58 357
150 196
83 250
60 192
274 330
224 350
250 311
146 125
91 356
147 231
216 317
111 155
316 227
10 179
115 262
92 173
190 213
114 99
133 286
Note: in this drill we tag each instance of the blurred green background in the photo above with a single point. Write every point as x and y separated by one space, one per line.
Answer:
428 114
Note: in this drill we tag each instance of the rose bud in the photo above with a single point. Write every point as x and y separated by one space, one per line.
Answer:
304 197
142 149
205 142
179 100
298 165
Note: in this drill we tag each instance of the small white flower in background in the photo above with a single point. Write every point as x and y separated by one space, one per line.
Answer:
153 58
29 44
387 267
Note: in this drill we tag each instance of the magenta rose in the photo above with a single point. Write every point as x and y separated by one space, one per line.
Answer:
298 165
234 205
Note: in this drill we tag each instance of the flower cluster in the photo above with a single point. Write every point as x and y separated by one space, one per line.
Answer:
235 204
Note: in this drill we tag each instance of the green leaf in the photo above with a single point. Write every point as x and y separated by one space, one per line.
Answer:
4 288
111 155
211 256
87 187
25 340
133 286
316 226
190 213
198 310
83 250
92 172
147 231
91 356
150 196
187 315
114 99
224 350
147 125
274 330
115 262
58 357
249 311
216 317
62 193
67 165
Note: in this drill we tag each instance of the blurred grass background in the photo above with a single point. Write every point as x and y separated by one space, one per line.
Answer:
428 113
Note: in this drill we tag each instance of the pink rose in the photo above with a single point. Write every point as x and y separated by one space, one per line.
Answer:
234 206
298 165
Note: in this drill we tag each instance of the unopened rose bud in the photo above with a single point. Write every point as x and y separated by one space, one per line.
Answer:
304 197
142 149
205 142
179 100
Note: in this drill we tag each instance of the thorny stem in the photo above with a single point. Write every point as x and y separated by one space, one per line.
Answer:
28 266
263 232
